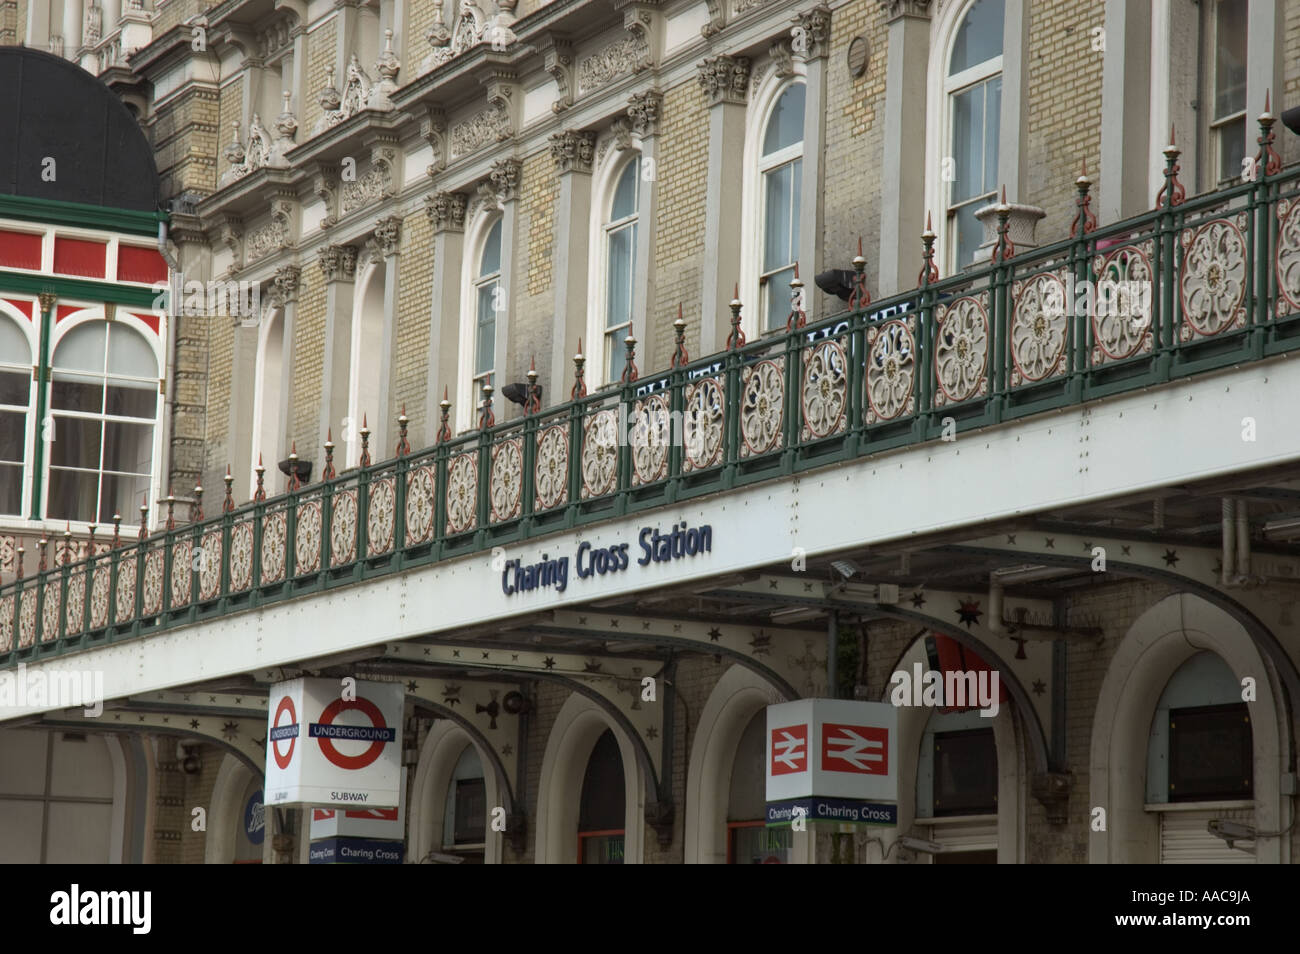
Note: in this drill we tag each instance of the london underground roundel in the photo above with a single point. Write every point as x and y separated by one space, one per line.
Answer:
377 733
282 731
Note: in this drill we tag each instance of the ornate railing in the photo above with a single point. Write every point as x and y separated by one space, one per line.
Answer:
1194 285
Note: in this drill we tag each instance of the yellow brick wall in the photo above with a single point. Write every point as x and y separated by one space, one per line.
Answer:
1063 111
231 111
186 138
221 343
855 141
169 13
9 34
419 17
415 290
309 356
682 173
321 44
1289 143
533 313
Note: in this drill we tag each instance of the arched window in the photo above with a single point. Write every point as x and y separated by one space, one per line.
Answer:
780 168
620 237
15 405
973 88
488 295
465 820
1201 748
957 778
749 840
104 401
602 806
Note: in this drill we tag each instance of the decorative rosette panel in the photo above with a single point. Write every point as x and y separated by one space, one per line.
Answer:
343 528
1287 257
27 618
75 613
50 610
151 590
6 623
462 493
241 556
182 572
891 370
762 406
99 595
274 541
1122 308
1040 328
381 515
599 453
506 482
704 424
307 537
1212 282
651 439
824 390
124 596
209 560
961 353
419 505
551 468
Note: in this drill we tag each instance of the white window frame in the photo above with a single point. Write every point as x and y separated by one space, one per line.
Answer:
606 182
1214 126
938 136
469 397
155 342
27 328
754 211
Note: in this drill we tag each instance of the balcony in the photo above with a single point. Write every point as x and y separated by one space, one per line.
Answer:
1192 287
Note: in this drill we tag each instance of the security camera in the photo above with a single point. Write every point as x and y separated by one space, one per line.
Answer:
1230 831
921 845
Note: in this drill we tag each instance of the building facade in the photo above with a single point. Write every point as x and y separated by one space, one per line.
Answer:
459 287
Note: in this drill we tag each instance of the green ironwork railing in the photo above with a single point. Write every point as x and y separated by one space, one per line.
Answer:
1194 285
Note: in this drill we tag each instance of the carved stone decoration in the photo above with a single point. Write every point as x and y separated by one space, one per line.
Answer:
275 38
573 150
743 6
325 184
620 131
231 234
438 34
433 129
356 89
643 111
446 211
642 23
962 349
1039 328
1052 789
473 26
618 59
782 58
274 236
725 79
331 102
717 18
762 406
386 68
375 186
558 61
502 184
811 34
92 25
1212 284
388 234
285 284
491 125
905 8
286 127
338 263
245 159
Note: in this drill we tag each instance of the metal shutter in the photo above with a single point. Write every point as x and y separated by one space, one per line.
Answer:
1185 840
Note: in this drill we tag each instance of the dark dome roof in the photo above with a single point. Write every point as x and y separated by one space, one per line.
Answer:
54 108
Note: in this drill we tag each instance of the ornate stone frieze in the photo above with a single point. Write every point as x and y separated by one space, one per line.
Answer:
92 25
618 59
725 79
810 37
643 111
331 104
356 89
338 263
502 183
473 27
446 211
717 17
275 38
325 184
274 235
643 23
573 150
375 185
248 158
491 125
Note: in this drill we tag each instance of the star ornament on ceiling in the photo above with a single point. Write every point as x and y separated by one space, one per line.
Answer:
968 612
715 634
918 599
1170 558
230 731
1040 687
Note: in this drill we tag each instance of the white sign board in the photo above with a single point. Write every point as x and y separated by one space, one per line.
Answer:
324 749
834 747
386 823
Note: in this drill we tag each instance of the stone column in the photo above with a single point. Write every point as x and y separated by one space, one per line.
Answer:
446 212
72 16
1125 107
902 203
725 80
388 239
643 113
1266 29
284 290
502 188
573 152
338 265
811 42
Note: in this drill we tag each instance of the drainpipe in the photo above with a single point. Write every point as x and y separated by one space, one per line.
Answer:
832 654
1229 560
994 623
169 403
1243 544
47 301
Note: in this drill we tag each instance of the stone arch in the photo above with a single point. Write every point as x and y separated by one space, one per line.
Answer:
442 748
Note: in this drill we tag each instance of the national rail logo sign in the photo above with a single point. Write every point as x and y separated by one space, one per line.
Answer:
835 748
323 749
